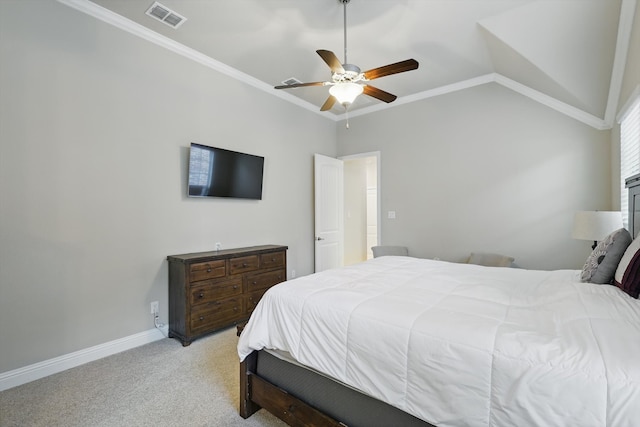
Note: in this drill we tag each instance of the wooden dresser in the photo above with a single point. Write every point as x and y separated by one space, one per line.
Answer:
212 290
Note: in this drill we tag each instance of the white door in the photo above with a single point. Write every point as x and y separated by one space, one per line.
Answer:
329 212
372 220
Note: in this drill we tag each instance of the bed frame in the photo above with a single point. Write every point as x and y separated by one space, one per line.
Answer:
301 397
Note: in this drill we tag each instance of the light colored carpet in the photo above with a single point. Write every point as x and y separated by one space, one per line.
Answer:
158 384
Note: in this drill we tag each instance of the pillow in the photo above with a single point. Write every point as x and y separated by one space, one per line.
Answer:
490 260
601 265
627 275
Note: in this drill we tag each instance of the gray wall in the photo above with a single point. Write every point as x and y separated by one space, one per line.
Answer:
632 70
485 169
94 130
630 81
94 135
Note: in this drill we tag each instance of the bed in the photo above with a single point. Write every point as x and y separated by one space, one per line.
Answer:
405 341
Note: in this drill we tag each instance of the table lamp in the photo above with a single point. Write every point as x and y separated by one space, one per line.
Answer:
595 225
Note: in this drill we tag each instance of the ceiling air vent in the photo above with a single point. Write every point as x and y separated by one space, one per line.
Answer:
166 15
291 81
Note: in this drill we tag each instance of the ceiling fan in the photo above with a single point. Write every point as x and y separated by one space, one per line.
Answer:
347 81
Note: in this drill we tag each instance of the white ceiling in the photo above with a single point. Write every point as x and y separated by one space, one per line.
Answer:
568 54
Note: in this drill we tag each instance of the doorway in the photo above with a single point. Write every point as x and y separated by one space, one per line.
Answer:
361 206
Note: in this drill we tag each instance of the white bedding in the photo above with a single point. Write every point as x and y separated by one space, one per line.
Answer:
463 345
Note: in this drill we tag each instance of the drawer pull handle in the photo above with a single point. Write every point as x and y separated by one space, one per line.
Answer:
201 318
255 283
244 265
201 295
235 286
273 260
235 308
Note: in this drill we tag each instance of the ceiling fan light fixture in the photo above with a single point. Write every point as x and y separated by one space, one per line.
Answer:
345 93
347 80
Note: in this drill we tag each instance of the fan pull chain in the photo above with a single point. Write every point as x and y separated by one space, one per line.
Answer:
346 114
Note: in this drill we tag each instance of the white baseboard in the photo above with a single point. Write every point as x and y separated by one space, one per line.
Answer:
45 368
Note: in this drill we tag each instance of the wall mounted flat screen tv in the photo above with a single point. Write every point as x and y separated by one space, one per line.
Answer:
216 172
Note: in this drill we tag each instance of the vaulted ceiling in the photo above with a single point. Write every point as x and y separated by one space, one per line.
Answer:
567 54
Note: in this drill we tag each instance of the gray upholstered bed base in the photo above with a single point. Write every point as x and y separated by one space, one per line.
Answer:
339 402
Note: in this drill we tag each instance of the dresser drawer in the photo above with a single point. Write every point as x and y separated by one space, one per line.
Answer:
213 290
216 314
260 281
244 264
252 300
207 270
273 260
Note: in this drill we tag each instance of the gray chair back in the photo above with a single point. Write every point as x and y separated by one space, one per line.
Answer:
389 250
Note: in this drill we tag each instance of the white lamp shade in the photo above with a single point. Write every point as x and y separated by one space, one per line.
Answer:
595 225
346 93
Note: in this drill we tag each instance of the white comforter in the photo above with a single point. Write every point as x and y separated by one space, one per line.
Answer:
460 345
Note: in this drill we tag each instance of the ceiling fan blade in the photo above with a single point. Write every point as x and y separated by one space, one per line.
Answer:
398 67
293 86
332 60
379 94
328 103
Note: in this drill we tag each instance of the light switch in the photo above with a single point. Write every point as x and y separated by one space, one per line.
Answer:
391 214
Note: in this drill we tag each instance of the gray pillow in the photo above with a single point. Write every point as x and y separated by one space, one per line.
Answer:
490 260
601 265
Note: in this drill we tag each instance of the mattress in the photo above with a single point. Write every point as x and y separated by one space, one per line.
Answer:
458 344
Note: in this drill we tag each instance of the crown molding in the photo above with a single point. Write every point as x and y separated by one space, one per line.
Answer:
625 25
553 103
624 34
524 90
442 90
125 24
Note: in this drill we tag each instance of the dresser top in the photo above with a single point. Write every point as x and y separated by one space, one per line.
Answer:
225 253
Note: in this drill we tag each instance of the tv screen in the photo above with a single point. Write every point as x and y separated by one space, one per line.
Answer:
216 172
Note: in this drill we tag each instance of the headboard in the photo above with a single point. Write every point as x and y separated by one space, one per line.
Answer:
633 184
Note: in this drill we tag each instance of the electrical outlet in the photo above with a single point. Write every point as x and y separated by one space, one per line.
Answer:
218 246
293 274
154 307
